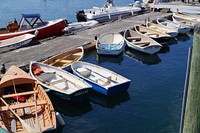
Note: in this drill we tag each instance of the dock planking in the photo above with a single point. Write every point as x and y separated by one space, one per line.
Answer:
46 48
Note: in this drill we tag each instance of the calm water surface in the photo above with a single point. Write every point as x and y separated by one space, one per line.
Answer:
152 104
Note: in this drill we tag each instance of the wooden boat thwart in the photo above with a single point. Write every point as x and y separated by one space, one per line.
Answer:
110 44
24 105
15 42
141 42
156 35
163 29
62 83
30 23
170 24
65 59
102 80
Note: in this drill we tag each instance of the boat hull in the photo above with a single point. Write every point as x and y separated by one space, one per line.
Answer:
16 45
53 29
76 96
110 44
115 86
70 87
113 13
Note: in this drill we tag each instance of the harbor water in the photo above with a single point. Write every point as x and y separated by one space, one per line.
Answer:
152 103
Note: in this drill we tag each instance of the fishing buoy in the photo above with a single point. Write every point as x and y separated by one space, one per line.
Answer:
60 119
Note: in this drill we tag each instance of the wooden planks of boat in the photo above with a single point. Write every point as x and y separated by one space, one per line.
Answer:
24 106
65 59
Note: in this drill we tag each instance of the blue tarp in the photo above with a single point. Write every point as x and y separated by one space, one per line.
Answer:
36 15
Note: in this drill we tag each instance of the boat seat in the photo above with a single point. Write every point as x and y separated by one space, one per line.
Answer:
57 81
19 94
65 61
149 34
134 38
140 43
84 72
23 105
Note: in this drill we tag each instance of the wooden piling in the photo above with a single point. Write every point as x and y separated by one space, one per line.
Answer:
191 121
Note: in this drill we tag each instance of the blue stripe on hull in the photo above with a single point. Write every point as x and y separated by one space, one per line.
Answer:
111 91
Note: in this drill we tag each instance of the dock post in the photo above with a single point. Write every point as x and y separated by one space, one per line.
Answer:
191 112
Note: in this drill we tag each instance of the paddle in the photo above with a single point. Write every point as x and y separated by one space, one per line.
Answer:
24 124
36 116
102 75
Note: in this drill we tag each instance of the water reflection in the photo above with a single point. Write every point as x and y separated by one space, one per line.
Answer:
69 108
148 59
109 58
183 37
164 49
172 41
111 101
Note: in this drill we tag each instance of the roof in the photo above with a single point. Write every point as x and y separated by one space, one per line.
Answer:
15 75
36 15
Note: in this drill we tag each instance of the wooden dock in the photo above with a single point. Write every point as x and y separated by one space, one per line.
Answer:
51 46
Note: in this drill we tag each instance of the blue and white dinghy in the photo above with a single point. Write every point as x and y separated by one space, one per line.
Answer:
102 80
62 83
110 44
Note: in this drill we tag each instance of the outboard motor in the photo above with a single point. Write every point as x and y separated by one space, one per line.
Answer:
81 17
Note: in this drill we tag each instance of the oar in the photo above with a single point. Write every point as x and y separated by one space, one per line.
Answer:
24 124
37 128
102 75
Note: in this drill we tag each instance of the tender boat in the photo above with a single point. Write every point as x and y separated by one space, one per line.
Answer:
30 23
110 44
80 26
62 83
184 22
25 106
15 42
141 42
163 29
102 80
186 16
65 59
156 35
170 24
108 12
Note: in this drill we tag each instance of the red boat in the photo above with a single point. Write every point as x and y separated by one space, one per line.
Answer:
29 23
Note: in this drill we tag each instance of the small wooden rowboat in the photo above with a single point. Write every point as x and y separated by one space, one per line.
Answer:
170 24
156 35
62 83
102 80
65 59
110 44
163 29
24 105
15 42
141 42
